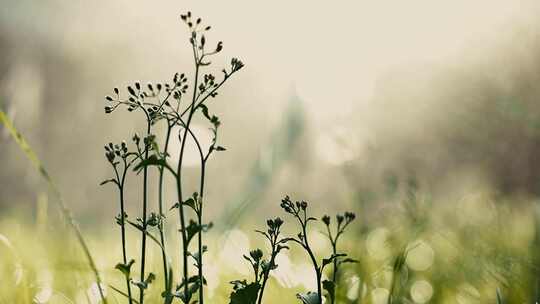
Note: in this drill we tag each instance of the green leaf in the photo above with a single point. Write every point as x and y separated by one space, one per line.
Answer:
244 293
152 160
192 229
107 181
150 278
348 260
332 258
204 110
193 285
330 287
190 203
144 285
308 298
197 255
125 268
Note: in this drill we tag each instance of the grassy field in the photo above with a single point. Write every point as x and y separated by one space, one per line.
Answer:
455 252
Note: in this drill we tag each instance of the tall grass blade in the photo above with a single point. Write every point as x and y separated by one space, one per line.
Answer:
66 213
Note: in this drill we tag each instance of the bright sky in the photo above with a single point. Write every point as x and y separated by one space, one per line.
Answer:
331 52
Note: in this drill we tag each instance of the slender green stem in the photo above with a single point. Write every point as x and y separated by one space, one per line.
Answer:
267 272
145 209
200 211
199 217
179 180
161 214
335 271
121 182
313 261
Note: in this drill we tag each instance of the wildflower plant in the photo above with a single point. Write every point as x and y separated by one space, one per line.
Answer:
337 258
299 211
252 293
174 104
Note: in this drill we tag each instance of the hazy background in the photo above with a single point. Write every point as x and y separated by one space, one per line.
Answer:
370 93
423 117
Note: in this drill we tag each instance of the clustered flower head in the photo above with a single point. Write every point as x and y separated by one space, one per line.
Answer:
256 254
342 219
114 150
293 208
274 226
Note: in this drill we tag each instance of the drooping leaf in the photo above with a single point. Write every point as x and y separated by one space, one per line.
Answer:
204 110
107 181
348 260
152 160
309 297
